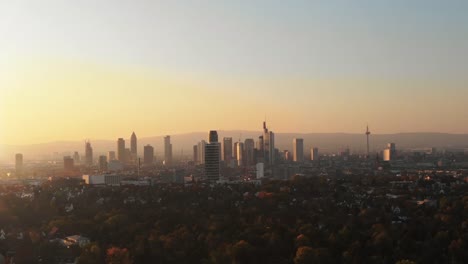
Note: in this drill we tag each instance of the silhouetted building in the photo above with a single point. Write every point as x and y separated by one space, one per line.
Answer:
212 157
110 155
102 163
133 146
167 151
314 154
121 150
68 163
19 164
76 157
148 155
227 149
88 154
235 152
249 149
298 150
127 156
195 154
201 152
240 154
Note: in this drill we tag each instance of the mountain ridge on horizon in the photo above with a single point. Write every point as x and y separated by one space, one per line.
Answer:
64 141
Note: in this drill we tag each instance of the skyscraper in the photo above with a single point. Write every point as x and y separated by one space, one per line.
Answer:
110 155
298 150
148 155
167 151
227 150
102 163
88 153
267 150
19 164
195 154
76 157
235 151
271 151
133 146
121 150
249 148
314 154
212 157
201 152
68 163
240 154
367 137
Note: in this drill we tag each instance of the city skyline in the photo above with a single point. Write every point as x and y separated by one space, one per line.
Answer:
323 67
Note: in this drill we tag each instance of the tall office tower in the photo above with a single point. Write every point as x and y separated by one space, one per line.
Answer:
235 151
76 157
212 155
167 151
88 154
240 154
195 154
19 164
121 150
201 152
227 150
249 152
387 154
260 144
392 148
133 146
314 154
266 144
298 150
127 155
68 163
148 154
272 152
102 163
110 155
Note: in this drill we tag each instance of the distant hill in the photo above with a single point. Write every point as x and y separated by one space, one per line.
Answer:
326 142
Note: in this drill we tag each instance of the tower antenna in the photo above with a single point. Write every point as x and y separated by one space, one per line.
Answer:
367 136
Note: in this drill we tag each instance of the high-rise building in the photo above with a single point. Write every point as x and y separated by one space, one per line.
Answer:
167 151
68 163
272 153
235 151
102 163
19 164
212 157
387 154
110 155
392 147
195 154
76 157
127 155
240 154
201 152
249 149
148 155
88 154
314 154
133 146
121 150
298 150
267 146
227 150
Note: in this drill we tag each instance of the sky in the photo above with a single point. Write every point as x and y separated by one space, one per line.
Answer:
71 70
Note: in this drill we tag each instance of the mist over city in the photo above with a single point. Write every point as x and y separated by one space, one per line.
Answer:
259 131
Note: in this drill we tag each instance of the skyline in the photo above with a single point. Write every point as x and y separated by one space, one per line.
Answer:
70 71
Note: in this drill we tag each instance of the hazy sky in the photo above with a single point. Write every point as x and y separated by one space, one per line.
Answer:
71 70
